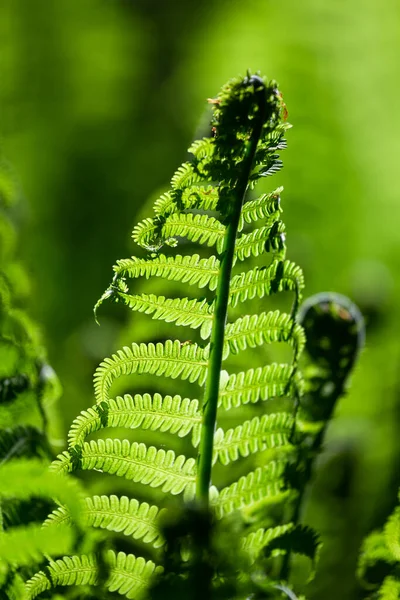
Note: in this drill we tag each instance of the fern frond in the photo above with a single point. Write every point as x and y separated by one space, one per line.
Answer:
265 433
119 514
128 575
147 234
174 414
200 228
166 204
185 176
196 197
260 282
261 240
136 462
256 541
70 570
262 383
200 198
255 330
181 311
171 359
266 207
271 166
263 485
190 269
202 149
208 205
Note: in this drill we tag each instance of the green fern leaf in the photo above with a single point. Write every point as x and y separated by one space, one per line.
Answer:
193 197
171 359
262 383
136 462
264 485
202 149
260 282
185 176
70 570
129 576
266 207
262 240
256 541
200 198
166 204
119 514
255 330
187 269
181 311
174 414
265 433
198 228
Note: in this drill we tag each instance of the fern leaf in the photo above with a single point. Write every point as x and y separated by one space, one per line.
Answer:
266 207
261 240
263 485
136 462
256 541
119 514
197 228
128 575
187 269
202 149
260 282
255 330
262 383
200 198
272 165
194 197
181 311
70 570
185 176
258 434
166 204
174 414
171 359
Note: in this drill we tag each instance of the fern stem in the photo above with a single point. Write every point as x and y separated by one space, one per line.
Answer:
221 309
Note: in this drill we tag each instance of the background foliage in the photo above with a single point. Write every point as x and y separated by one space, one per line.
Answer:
98 102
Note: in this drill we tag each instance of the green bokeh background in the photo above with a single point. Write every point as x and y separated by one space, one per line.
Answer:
99 100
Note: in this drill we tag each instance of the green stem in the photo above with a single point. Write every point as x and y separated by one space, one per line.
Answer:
221 309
